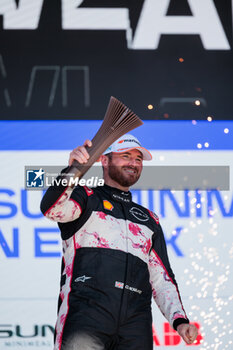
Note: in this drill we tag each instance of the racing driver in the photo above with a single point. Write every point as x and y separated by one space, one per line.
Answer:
114 259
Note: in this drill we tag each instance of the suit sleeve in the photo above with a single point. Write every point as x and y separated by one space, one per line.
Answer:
164 287
62 204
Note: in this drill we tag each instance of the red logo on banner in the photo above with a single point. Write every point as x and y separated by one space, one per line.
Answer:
155 337
172 338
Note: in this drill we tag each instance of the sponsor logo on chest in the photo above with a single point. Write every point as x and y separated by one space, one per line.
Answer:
139 214
121 285
108 205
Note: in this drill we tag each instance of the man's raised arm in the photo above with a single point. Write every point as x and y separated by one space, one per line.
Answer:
62 204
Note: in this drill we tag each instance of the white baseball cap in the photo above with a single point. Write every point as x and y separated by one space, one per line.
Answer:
128 142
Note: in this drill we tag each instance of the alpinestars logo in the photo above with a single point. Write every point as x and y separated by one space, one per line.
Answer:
152 22
82 278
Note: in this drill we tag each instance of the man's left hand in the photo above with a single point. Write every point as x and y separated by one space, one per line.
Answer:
188 332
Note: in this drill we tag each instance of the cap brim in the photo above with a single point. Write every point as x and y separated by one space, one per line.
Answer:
146 154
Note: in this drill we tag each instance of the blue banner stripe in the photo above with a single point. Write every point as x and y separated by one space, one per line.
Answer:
158 135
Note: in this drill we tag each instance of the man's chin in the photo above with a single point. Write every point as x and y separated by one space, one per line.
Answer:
122 177
129 181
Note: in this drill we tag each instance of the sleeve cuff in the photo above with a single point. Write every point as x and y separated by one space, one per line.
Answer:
179 321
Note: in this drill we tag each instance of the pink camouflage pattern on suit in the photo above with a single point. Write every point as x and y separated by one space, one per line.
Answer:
136 239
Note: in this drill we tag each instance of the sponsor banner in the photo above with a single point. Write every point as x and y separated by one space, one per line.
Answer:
27 323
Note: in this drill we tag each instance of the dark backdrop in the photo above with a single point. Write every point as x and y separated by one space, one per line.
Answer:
54 73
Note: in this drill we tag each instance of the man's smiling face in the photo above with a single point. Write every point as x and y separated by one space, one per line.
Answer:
125 168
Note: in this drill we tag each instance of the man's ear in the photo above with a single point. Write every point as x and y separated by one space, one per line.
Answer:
104 160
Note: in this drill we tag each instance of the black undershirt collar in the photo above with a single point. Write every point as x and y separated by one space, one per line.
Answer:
117 194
